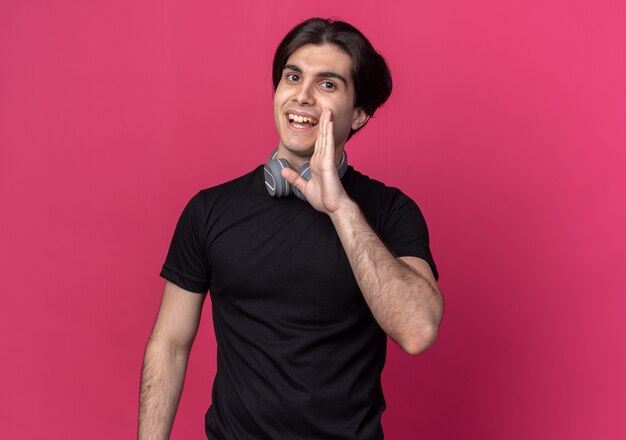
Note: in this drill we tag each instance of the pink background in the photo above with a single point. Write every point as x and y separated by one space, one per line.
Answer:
507 126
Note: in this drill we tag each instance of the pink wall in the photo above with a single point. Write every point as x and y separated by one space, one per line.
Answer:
507 125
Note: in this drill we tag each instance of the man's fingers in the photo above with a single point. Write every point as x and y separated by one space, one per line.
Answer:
294 178
324 145
321 135
329 141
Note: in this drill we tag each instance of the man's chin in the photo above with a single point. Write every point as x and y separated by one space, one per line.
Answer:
300 150
297 155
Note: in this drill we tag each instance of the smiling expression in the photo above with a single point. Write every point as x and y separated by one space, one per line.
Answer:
314 78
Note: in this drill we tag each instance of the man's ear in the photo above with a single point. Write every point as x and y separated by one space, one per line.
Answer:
359 119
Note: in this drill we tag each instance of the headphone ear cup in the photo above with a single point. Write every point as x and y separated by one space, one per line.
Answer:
343 165
276 185
305 173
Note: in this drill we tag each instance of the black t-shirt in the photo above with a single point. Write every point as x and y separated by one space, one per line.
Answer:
299 353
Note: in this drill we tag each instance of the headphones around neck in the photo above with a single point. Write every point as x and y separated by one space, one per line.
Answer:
277 186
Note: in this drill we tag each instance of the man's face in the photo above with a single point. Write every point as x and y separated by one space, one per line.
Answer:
315 78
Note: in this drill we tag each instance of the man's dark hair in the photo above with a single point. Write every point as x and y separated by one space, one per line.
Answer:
370 73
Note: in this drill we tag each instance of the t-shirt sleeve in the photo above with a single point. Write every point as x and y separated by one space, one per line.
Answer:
186 264
406 233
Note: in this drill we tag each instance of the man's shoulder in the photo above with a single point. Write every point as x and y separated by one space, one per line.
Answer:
230 188
380 203
233 184
222 195
362 186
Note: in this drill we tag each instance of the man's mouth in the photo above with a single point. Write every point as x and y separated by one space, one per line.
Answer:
298 121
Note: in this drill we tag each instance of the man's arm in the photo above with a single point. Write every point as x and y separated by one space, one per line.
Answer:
401 292
165 361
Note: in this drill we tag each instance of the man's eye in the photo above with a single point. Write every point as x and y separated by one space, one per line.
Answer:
292 77
328 85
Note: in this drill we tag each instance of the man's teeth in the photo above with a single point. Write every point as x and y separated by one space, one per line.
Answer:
298 118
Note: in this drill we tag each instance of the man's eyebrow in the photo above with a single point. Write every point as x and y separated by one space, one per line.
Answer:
318 74
333 75
292 67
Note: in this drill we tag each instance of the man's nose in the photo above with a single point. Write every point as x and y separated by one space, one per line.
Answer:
304 94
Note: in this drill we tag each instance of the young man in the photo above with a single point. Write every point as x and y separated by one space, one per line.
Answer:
304 289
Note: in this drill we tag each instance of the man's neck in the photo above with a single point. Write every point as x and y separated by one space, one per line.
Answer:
297 161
